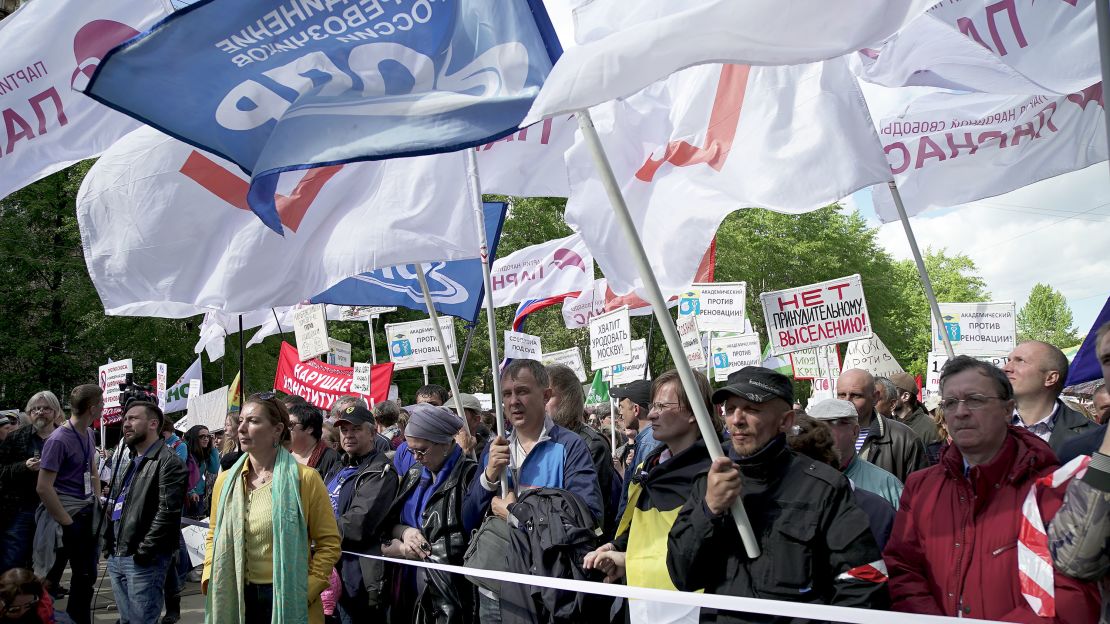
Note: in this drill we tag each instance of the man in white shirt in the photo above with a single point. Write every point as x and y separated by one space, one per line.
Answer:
1037 371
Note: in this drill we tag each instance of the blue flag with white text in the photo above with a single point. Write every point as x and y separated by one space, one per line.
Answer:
292 84
456 286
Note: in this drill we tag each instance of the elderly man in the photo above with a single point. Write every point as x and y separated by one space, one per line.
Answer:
888 396
816 542
479 433
1037 371
910 412
843 422
340 407
888 444
954 550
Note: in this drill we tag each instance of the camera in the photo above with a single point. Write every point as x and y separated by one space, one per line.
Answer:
130 391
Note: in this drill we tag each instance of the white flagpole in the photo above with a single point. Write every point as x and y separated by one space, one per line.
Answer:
373 349
663 315
1102 18
475 183
425 375
921 272
612 427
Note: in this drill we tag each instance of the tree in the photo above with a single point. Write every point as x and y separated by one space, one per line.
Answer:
1047 317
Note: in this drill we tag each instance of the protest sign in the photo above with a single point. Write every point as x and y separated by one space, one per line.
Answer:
731 352
937 362
178 394
816 363
310 328
195 388
195 537
321 384
363 313
815 315
414 344
636 368
718 306
872 356
571 358
208 409
160 384
578 311
339 352
361 378
610 339
111 375
977 328
691 339
519 345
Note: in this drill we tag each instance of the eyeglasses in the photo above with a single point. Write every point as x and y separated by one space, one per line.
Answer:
203 436
41 408
658 407
973 403
421 454
21 608
293 424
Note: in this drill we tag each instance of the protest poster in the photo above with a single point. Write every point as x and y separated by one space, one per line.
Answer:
339 352
110 376
571 358
986 328
579 311
195 537
691 340
731 352
160 384
310 328
545 270
815 315
361 378
816 363
610 339
208 409
717 306
321 384
195 388
414 345
524 346
937 360
363 313
636 368
872 356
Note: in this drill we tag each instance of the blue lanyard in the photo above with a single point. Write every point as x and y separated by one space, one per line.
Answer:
86 448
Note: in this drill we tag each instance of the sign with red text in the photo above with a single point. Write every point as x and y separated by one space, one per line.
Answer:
985 328
816 363
110 376
816 315
691 341
321 384
610 339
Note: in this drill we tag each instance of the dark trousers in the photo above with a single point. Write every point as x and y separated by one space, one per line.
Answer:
259 601
17 532
77 539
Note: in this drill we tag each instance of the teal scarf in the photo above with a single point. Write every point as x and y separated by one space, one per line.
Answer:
225 603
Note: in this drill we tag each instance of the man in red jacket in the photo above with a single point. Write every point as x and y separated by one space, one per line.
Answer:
954 548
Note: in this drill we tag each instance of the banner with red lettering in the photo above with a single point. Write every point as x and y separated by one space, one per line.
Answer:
321 384
546 270
947 149
819 314
529 163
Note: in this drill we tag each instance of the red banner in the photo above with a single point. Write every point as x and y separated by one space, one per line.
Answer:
321 384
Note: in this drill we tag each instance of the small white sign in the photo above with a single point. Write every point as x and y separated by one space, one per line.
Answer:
816 363
194 389
360 379
160 384
937 362
815 315
414 344
691 342
209 409
720 306
310 327
610 339
111 376
339 352
362 313
872 356
571 358
636 368
977 328
732 352
522 346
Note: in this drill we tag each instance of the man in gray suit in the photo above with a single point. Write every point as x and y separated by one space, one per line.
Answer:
1037 371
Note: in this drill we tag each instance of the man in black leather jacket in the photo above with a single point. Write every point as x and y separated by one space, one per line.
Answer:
143 515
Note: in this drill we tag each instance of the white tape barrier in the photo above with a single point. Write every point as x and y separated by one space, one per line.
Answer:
817 612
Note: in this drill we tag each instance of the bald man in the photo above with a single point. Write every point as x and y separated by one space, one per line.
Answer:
1037 370
883 441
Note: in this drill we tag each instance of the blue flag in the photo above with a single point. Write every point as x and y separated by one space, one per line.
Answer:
293 84
1086 367
456 286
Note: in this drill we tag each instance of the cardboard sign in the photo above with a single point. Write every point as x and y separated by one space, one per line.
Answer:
160 384
195 537
872 356
937 362
310 328
339 353
208 409
321 384
816 315
110 377
414 344
817 363
363 313
610 339
571 358
691 342
732 352
718 306
522 346
636 368
977 328
360 378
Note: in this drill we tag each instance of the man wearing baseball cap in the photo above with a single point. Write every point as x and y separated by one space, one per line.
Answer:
473 414
843 422
909 411
816 544
633 408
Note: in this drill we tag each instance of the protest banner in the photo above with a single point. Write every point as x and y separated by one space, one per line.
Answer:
691 339
610 339
363 313
310 328
413 344
177 395
208 409
937 362
361 378
977 328
339 353
545 270
321 384
717 306
571 358
529 163
160 384
872 356
520 345
816 363
731 352
815 315
110 376
636 368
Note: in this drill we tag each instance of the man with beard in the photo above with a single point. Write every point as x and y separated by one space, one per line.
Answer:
20 456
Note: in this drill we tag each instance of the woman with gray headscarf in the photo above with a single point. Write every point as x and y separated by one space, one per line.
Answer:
428 522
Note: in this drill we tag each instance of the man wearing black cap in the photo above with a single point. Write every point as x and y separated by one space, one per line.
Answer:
633 409
816 545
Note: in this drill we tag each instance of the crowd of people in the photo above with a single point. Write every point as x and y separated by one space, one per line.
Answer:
870 500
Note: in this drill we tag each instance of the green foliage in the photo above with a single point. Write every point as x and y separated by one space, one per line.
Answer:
1047 317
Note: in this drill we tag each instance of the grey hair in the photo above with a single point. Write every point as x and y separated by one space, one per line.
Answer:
890 391
962 363
50 398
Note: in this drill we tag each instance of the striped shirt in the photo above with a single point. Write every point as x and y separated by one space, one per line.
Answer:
863 433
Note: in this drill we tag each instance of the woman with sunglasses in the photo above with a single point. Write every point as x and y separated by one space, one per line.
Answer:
199 442
273 539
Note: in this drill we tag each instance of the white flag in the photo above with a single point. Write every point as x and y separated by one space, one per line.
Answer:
625 50
553 268
166 228
529 163
802 137
177 395
50 49
948 149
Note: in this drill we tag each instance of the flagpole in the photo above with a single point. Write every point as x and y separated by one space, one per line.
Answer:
475 183
373 348
662 314
242 372
612 428
921 271
276 320
1102 17
647 347
466 352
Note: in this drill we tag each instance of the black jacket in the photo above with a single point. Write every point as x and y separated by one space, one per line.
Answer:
1085 444
809 529
1070 424
17 482
151 520
364 500
607 478
894 447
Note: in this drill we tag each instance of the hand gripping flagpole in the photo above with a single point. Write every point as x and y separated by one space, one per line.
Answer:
921 272
475 184
663 315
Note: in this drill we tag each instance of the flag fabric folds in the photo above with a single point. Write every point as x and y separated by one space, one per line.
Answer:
599 390
529 163
310 84
556 267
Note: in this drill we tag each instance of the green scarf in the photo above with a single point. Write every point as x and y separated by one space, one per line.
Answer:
225 603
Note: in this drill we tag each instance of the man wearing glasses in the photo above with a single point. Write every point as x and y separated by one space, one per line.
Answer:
954 548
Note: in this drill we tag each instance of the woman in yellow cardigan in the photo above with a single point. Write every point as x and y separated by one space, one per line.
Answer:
272 537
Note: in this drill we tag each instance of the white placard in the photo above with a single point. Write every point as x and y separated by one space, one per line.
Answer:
733 352
816 363
194 389
816 315
977 328
414 344
937 362
571 358
339 353
822 388
310 327
720 306
194 542
362 313
360 379
111 376
610 339
636 368
872 356
691 341
160 382
522 346
209 409
485 399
